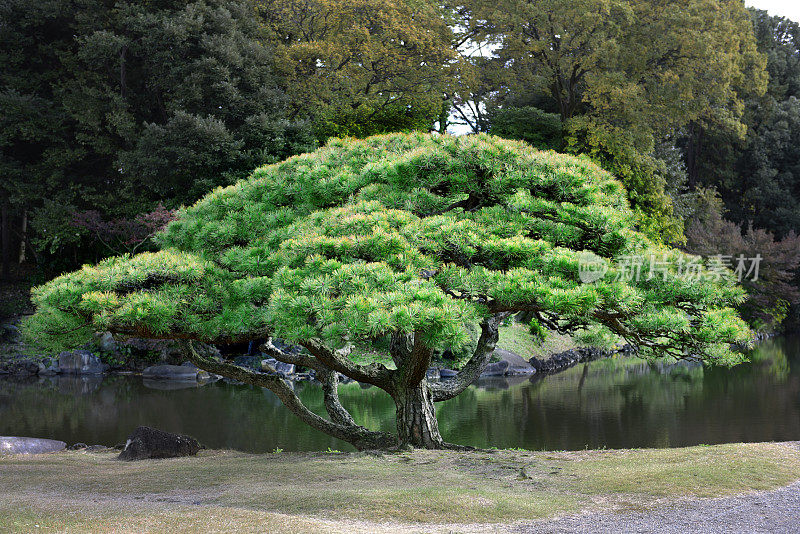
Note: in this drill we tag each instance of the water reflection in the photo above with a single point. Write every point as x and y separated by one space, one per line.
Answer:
623 402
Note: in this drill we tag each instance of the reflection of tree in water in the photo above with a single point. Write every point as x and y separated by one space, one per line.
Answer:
632 402
771 358
617 402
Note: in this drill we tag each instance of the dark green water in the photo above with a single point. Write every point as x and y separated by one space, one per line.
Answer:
611 403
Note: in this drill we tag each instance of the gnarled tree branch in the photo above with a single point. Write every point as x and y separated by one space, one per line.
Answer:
330 382
359 436
287 357
477 363
376 374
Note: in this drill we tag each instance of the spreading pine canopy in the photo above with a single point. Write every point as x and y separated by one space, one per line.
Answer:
399 233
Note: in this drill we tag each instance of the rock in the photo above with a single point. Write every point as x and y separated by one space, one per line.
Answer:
202 375
517 365
250 362
47 370
285 368
77 446
9 333
146 442
271 365
80 362
495 369
15 445
107 343
21 367
447 373
568 358
170 372
432 373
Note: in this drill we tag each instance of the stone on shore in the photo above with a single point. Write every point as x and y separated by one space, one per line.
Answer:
146 442
568 358
170 372
496 369
271 365
47 370
248 361
517 365
80 362
17 445
21 367
285 368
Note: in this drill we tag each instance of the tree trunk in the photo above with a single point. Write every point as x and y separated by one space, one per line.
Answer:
23 237
5 237
692 154
416 418
341 427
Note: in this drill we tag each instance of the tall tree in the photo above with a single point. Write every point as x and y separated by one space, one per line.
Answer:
758 177
412 240
36 153
361 67
623 74
118 106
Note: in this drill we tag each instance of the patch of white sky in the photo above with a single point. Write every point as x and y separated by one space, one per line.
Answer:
783 8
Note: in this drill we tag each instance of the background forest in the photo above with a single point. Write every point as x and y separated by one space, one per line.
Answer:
116 113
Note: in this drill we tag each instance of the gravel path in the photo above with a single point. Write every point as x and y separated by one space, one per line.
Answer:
776 511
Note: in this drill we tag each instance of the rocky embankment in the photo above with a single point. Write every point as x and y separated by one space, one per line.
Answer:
159 361
568 358
156 360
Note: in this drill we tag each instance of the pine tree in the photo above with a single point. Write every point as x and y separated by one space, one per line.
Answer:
408 241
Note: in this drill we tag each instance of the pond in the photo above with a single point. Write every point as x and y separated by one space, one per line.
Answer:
614 403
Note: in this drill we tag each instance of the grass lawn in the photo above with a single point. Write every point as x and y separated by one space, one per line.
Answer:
419 491
517 339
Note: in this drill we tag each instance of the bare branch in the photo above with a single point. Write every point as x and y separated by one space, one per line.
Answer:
376 374
474 367
330 383
305 360
359 436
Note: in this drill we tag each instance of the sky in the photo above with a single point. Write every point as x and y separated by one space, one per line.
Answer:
785 8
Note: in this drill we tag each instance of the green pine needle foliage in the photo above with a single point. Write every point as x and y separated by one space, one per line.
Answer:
401 232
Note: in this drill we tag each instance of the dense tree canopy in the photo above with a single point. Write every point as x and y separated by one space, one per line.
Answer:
622 74
362 67
758 176
426 242
117 106
773 292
